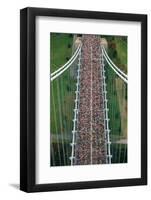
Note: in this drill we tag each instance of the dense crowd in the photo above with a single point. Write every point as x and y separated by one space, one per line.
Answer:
90 145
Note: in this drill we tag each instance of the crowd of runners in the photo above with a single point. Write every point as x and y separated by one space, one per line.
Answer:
90 145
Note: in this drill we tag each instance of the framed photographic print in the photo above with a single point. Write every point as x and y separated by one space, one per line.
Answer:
83 99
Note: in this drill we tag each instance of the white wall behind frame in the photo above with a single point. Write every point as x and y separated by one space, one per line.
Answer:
9 99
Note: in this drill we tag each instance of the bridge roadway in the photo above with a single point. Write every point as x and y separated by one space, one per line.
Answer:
90 147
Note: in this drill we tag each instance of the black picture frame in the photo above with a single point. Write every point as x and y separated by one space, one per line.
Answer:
28 99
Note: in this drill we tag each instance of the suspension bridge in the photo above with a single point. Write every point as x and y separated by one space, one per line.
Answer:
91 142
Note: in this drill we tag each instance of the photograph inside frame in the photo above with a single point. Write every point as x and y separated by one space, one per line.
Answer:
88 99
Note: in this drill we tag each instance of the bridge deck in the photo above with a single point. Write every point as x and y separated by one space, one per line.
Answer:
90 145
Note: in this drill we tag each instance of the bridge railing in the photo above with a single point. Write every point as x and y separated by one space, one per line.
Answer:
76 109
106 110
